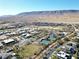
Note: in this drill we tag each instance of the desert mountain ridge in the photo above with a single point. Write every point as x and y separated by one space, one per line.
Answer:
45 16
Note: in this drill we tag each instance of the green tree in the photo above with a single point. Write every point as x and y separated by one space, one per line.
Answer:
54 57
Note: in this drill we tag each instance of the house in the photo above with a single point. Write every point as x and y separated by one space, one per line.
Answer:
1 33
21 32
65 33
62 34
52 37
13 57
24 34
11 33
45 42
34 32
2 37
9 50
11 26
6 55
9 41
70 45
63 55
28 35
1 45
77 34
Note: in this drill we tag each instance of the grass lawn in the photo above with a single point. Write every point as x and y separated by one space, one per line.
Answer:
29 50
51 27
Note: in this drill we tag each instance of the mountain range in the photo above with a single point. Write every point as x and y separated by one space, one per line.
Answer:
44 16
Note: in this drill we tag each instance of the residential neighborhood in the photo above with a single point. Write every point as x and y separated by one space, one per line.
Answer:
39 42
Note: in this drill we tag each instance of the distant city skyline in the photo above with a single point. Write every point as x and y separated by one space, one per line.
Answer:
12 7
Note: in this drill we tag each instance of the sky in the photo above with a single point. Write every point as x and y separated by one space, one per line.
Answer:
12 7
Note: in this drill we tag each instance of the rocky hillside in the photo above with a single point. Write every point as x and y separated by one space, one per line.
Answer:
45 16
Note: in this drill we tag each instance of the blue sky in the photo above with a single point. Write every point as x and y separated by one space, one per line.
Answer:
11 7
